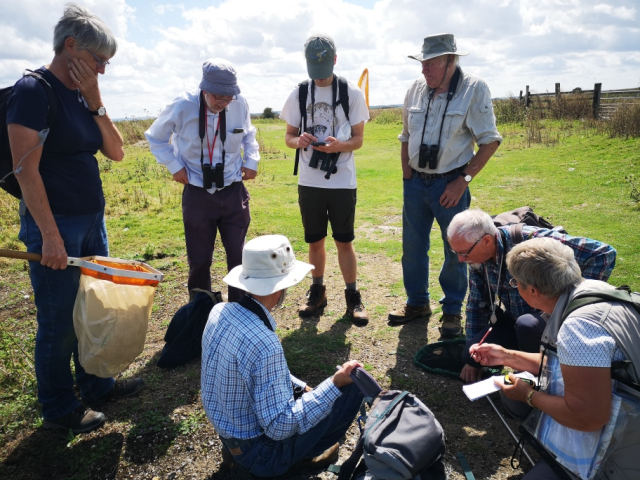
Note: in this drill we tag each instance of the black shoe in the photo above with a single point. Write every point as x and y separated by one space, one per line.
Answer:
121 389
355 309
80 420
316 301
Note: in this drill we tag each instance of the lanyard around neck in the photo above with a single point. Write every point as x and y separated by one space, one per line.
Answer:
211 148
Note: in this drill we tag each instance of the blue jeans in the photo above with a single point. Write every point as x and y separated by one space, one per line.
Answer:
265 457
55 295
421 207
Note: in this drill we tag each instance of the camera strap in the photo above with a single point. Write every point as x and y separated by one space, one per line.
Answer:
202 130
453 85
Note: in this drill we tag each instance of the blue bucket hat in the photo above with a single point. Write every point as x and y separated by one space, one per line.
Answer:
219 77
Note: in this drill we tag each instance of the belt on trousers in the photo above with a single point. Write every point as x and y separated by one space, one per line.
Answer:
232 443
433 176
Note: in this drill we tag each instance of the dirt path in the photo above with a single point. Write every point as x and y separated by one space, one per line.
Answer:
164 433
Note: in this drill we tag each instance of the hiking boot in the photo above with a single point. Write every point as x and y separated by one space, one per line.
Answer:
408 313
355 309
321 462
451 325
79 420
121 389
316 301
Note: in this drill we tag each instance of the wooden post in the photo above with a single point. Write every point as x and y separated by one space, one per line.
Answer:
597 90
526 98
557 91
520 98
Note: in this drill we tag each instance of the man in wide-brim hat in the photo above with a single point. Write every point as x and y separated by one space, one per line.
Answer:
446 113
268 420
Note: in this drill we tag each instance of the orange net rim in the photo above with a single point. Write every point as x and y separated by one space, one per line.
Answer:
124 272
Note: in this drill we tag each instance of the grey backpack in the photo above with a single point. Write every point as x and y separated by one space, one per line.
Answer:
401 439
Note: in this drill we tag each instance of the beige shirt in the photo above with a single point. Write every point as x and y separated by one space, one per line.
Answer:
468 119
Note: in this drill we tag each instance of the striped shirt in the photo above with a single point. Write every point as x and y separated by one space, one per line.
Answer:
246 384
596 261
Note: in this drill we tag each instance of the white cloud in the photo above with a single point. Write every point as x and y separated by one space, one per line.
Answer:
512 43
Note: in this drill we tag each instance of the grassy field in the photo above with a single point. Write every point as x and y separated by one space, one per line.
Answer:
566 170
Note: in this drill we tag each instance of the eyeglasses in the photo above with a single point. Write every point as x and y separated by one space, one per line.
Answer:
99 62
221 99
468 251
513 283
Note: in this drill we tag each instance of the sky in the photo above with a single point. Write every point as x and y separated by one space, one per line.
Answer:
162 45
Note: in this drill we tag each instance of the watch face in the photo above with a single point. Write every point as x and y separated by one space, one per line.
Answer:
468 178
102 111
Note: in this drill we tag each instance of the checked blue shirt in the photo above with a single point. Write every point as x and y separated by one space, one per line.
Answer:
596 261
246 383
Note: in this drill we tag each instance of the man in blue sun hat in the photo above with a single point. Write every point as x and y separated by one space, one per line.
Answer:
325 118
206 141
446 113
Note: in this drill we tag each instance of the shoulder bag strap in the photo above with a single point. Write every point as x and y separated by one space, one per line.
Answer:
251 305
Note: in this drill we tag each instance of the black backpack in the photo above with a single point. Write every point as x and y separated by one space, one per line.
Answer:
516 219
303 91
8 181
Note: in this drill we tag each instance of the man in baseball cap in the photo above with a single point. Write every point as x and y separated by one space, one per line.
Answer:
212 167
267 419
446 113
325 118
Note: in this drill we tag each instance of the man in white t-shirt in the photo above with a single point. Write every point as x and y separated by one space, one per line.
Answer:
327 194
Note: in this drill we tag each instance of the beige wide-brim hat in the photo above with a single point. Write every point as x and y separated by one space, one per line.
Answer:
437 45
268 265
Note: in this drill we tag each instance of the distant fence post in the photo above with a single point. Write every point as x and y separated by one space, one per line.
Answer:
526 98
597 90
557 91
520 98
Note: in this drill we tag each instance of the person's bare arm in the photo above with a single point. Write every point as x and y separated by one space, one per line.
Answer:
87 82
293 139
454 190
585 405
22 140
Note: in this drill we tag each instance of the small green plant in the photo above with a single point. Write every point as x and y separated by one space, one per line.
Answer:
635 188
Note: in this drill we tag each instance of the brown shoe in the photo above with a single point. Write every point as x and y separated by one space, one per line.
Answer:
451 325
408 313
355 309
316 301
322 461
79 420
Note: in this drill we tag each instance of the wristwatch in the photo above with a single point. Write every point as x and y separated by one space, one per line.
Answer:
101 112
529 395
466 176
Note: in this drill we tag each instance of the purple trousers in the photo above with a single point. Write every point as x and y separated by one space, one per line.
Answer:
204 214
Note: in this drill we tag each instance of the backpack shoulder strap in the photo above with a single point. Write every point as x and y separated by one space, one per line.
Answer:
52 100
251 305
621 294
350 465
303 91
343 90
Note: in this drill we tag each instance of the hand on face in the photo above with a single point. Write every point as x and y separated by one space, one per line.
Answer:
85 79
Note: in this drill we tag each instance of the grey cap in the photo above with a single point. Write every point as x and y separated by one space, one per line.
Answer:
219 77
320 51
436 46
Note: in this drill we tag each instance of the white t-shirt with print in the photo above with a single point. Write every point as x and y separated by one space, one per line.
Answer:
324 125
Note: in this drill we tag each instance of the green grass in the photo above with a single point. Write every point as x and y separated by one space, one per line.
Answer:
574 178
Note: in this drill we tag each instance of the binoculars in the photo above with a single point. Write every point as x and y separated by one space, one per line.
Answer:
212 175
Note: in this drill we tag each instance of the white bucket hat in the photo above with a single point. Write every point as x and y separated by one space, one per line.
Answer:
268 266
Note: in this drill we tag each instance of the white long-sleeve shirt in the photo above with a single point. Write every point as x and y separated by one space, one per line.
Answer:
178 124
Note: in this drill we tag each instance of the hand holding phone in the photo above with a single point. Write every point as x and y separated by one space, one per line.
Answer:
318 144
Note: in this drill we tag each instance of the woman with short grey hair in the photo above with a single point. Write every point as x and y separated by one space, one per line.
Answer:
546 264
62 208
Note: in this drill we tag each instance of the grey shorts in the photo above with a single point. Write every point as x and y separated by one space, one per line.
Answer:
319 206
